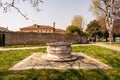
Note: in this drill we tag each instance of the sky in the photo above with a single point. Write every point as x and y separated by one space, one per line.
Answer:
59 11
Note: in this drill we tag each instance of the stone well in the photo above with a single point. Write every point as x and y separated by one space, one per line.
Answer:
59 51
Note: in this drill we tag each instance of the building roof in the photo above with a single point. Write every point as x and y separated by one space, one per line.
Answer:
2 29
35 26
59 30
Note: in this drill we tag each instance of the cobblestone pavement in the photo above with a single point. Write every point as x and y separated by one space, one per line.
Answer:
83 62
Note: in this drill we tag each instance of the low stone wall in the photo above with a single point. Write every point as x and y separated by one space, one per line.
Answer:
14 38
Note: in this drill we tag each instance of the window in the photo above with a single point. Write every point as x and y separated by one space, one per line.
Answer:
49 31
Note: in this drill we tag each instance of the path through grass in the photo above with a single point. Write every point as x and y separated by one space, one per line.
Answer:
117 44
20 46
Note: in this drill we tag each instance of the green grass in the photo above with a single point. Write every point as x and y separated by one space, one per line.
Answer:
110 57
113 44
20 46
53 74
9 58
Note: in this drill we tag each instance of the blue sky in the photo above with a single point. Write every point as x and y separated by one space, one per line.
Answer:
59 11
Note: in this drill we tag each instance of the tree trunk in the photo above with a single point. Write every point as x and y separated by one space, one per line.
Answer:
111 38
106 39
110 20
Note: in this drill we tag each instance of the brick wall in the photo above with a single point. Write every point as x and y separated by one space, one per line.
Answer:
14 38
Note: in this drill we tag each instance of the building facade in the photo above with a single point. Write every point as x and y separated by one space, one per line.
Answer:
2 29
42 29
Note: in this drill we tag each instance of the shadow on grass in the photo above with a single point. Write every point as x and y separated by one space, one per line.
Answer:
53 74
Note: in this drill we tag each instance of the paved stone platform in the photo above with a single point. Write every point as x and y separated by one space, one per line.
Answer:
36 62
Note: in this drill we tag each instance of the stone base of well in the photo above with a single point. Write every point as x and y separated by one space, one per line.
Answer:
36 62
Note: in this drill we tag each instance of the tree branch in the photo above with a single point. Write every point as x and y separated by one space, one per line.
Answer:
20 12
1 3
11 3
101 9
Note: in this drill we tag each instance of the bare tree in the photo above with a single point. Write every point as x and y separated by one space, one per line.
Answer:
7 4
110 9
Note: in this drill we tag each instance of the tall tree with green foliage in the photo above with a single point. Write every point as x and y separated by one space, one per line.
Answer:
78 21
110 9
73 30
93 29
101 21
76 25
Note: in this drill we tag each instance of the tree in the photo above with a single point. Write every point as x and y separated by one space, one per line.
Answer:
73 30
110 9
93 29
78 21
116 30
7 4
101 21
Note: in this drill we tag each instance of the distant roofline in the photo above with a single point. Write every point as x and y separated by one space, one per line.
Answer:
4 29
40 26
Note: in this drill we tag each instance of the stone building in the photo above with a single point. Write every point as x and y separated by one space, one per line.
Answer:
42 29
2 29
2 35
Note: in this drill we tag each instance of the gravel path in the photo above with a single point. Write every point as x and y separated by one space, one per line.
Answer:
107 46
6 49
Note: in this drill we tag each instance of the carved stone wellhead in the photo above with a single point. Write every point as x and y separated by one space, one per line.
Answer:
59 51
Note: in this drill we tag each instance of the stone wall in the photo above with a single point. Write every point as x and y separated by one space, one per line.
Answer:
14 38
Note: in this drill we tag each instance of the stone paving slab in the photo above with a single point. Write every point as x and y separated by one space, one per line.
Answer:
36 62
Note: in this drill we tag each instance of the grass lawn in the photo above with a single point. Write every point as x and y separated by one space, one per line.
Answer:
9 58
110 57
113 44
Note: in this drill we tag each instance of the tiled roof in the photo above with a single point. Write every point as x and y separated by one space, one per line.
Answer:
3 29
59 30
35 26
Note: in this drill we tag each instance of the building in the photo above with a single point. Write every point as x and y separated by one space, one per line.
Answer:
38 29
2 29
2 35
42 29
